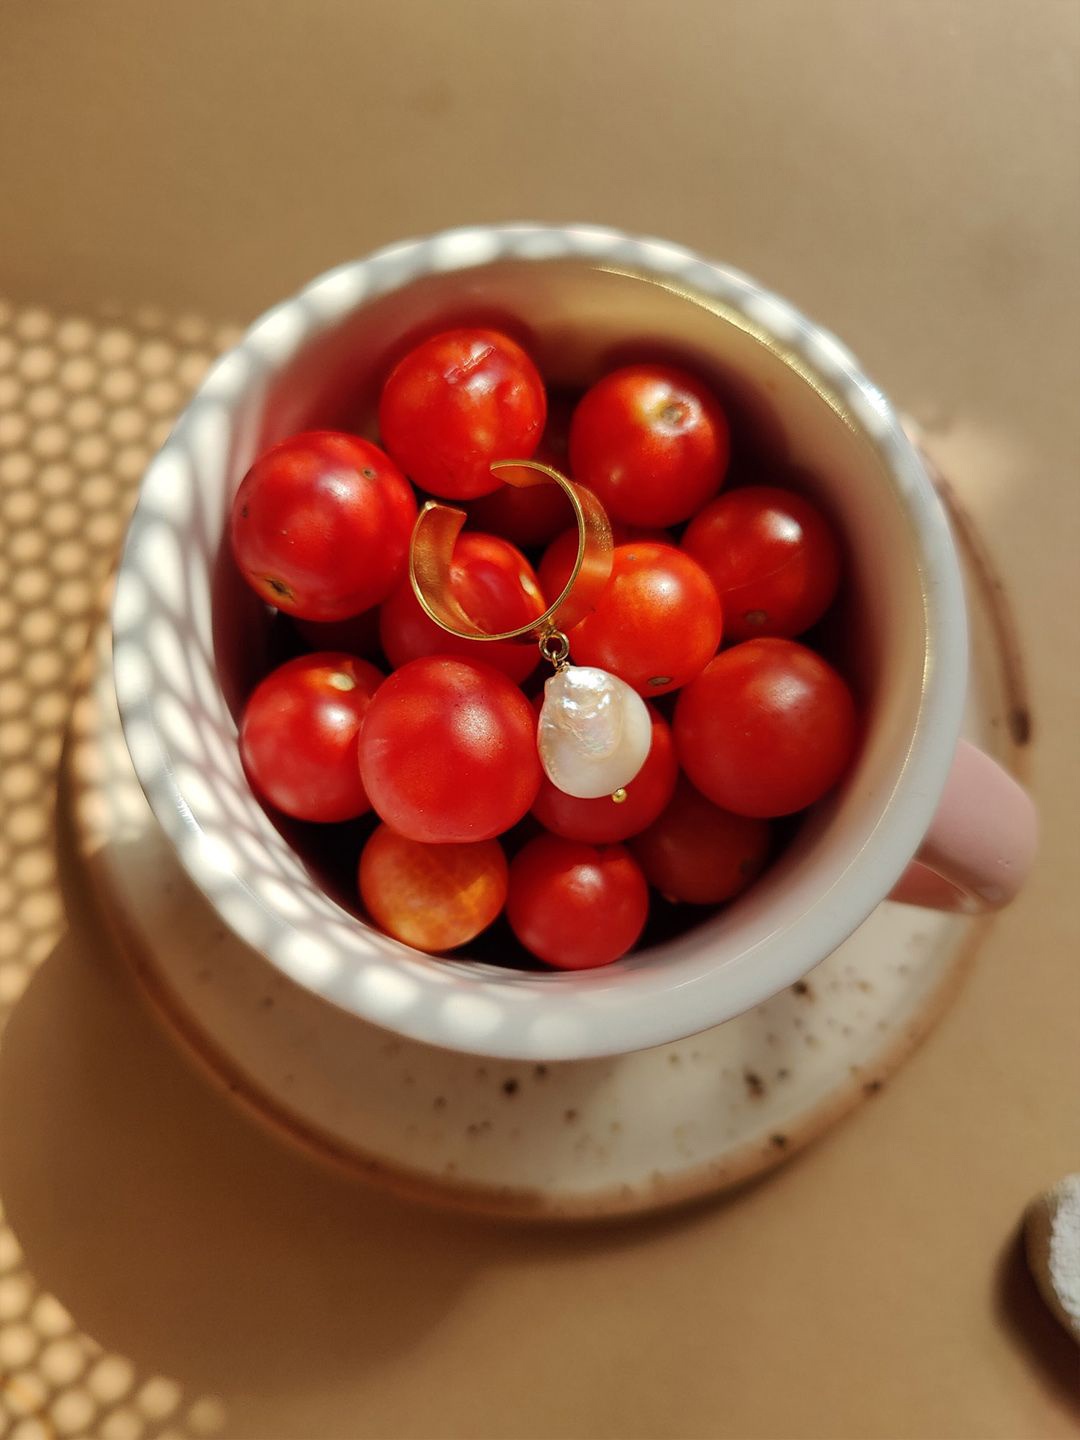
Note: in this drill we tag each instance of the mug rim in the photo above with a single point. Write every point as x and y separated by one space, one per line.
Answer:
638 1021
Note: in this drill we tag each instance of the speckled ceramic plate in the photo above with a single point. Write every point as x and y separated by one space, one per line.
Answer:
573 1139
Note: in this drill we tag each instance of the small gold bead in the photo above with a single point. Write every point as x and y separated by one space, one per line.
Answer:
619 795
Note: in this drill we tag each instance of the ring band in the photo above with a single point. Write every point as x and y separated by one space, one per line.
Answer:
435 534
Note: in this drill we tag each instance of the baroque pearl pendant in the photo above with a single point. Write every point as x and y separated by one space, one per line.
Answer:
594 733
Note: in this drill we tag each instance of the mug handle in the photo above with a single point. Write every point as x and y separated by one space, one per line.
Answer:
981 842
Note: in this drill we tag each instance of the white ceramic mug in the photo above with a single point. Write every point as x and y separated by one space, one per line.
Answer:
187 636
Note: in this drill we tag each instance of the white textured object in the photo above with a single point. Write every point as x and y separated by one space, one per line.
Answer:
594 733
579 1138
1052 1230
579 293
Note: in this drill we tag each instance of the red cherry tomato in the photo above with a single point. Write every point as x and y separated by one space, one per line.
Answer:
497 588
299 734
602 821
556 565
766 729
448 751
457 402
773 559
557 561
657 623
321 524
433 897
576 906
652 442
697 853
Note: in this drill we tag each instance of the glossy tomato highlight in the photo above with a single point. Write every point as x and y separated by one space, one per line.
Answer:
652 441
448 751
433 897
455 403
657 623
321 524
576 906
772 557
767 729
299 736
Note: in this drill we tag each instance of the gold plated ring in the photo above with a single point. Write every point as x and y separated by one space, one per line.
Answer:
438 527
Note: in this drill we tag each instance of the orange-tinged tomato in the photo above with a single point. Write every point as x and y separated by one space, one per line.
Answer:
433 897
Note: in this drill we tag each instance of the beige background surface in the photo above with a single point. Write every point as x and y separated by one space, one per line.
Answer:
908 173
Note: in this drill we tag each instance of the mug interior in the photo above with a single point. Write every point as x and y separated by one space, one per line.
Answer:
191 640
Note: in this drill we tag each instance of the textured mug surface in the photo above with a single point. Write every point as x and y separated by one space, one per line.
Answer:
188 636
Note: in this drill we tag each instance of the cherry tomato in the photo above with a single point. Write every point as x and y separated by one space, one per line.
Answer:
299 734
773 559
556 565
448 751
657 623
576 906
497 588
766 729
433 897
697 853
557 561
602 821
457 402
321 524
653 443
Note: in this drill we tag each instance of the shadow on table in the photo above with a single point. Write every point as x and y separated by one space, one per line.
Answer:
1029 1322
180 1234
